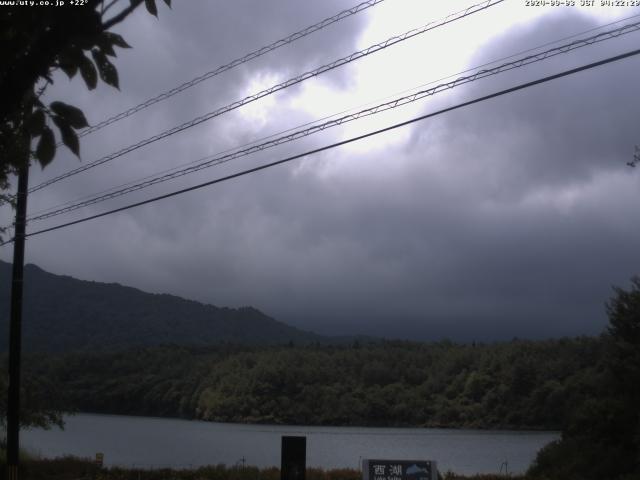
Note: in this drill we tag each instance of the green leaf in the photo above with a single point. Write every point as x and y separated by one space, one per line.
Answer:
116 40
36 123
107 49
88 72
70 59
46 149
86 42
107 71
151 7
69 137
69 68
68 63
72 115
106 42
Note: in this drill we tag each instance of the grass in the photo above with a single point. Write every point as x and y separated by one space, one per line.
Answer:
74 468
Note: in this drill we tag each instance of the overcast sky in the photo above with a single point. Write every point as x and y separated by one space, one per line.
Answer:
513 217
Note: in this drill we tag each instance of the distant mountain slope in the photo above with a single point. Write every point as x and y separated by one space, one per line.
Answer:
62 313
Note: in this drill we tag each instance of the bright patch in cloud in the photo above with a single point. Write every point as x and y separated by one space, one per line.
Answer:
259 112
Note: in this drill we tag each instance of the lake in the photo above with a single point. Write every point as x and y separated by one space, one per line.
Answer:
160 442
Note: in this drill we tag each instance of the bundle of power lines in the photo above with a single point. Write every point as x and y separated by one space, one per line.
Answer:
514 61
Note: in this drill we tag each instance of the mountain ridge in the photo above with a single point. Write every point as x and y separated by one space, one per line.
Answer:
62 313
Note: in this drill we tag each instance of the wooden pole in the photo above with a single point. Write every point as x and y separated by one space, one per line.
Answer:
15 328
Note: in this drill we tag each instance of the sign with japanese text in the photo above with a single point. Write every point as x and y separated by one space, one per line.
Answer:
399 470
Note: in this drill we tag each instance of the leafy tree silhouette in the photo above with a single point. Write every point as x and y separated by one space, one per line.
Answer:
602 438
35 41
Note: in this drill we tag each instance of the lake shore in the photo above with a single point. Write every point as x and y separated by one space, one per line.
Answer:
266 424
143 442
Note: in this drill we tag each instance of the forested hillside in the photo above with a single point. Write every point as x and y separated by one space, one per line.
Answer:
62 314
520 384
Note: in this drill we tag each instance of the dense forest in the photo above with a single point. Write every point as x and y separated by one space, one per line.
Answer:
520 384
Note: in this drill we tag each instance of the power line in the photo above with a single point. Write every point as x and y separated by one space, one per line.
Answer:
275 134
281 86
208 162
343 142
234 63
271 136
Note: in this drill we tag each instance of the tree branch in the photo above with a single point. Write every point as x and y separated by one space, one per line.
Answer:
111 4
122 15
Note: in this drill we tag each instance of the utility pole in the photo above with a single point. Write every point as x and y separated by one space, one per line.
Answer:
15 329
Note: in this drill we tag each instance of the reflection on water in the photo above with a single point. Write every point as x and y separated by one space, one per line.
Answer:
159 442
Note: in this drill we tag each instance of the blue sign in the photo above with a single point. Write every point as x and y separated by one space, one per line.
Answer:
399 470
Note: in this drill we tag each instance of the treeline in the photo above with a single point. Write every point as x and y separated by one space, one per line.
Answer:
520 384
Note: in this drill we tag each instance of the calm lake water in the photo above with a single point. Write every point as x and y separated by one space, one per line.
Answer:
158 442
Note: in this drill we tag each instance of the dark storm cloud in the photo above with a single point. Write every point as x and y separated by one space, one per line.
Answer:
181 45
509 218
515 222
545 192
561 133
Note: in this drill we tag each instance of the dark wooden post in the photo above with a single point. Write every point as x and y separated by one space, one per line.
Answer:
293 463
